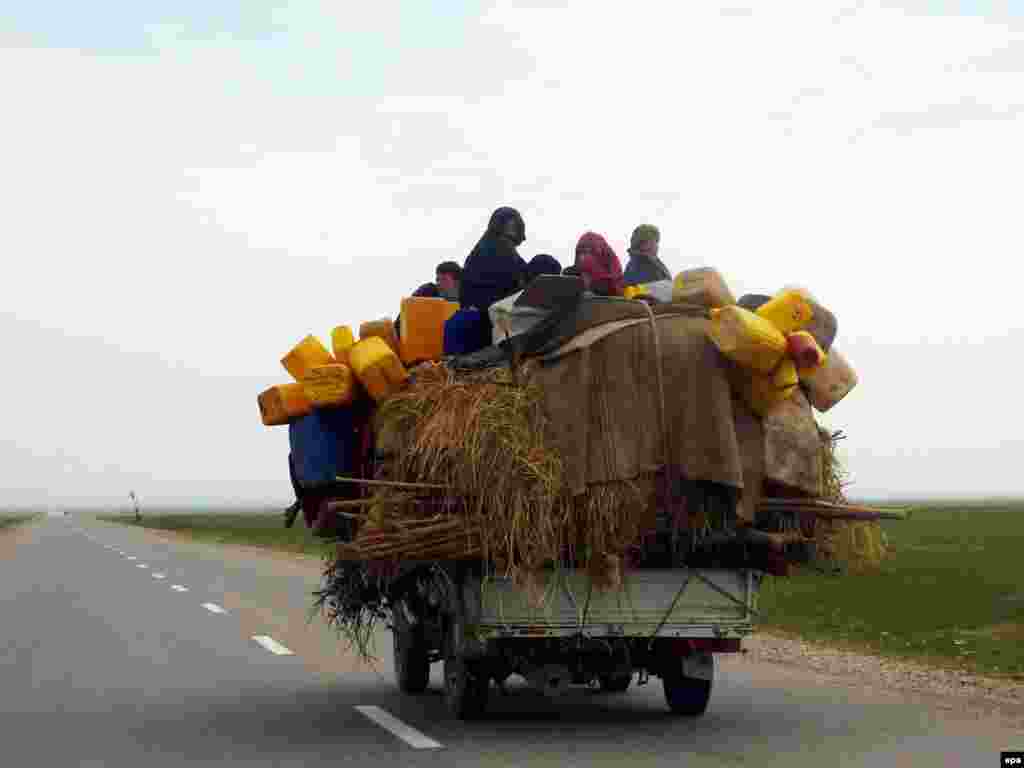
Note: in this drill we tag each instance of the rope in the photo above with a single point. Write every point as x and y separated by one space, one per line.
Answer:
662 418
725 593
670 611
392 483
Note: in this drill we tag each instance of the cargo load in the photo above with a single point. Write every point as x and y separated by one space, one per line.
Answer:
650 461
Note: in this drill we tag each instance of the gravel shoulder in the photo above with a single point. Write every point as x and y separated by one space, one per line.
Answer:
944 688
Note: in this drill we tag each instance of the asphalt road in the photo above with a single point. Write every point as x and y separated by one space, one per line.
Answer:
122 648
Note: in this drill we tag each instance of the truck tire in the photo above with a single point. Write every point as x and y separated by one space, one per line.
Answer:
412 664
465 691
687 696
610 684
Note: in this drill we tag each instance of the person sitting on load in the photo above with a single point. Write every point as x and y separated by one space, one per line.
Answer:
543 264
599 266
448 278
644 266
494 269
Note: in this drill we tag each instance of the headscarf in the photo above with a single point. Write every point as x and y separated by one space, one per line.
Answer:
600 264
496 226
494 269
644 233
544 264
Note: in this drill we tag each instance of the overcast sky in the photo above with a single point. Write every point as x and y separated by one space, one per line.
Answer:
189 188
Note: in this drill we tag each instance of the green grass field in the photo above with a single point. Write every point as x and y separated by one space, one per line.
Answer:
9 519
250 529
952 593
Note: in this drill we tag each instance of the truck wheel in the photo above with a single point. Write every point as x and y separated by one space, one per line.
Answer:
686 695
412 665
465 691
611 684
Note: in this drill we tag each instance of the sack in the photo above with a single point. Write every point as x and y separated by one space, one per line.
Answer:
324 445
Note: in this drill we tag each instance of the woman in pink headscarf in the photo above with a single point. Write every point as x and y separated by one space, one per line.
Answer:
599 265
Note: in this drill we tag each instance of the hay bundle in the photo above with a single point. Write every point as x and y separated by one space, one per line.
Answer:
857 545
483 436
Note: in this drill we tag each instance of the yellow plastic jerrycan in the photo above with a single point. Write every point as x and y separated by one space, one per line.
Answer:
762 392
330 386
789 311
823 326
703 286
382 329
659 290
378 368
422 331
305 356
342 340
282 403
746 338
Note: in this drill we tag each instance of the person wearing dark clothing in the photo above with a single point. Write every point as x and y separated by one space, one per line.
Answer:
644 266
427 290
543 264
494 269
449 278
572 271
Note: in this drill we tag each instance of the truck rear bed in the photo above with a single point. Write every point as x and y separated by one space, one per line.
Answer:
712 604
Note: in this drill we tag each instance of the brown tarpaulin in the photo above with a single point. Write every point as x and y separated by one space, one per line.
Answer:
601 396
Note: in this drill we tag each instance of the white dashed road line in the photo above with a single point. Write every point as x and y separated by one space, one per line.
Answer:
406 733
142 565
159 575
213 608
272 645
130 557
179 588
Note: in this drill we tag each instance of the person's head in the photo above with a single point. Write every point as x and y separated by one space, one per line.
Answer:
544 264
600 267
449 275
427 291
644 242
507 223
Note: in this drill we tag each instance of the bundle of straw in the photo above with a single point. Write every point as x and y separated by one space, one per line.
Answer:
484 436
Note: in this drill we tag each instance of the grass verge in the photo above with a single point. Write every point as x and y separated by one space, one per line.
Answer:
951 594
254 529
11 519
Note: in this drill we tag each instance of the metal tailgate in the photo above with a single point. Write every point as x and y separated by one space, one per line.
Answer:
711 603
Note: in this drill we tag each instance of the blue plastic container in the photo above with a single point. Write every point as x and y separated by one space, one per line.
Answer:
466 332
323 446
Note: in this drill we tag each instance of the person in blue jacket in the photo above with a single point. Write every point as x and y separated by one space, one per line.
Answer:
644 266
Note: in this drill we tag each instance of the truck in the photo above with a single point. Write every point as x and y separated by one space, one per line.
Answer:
690 595
665 622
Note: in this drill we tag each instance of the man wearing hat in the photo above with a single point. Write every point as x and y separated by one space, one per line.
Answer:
644 265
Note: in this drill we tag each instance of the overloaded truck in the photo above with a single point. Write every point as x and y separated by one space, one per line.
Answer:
592 499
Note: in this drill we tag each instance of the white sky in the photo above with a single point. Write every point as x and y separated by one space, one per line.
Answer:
179 213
